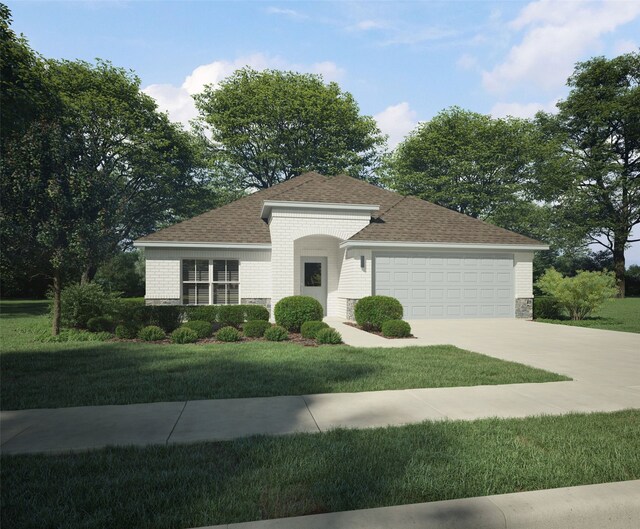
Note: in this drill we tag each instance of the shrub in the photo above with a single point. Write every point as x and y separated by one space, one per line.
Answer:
79 303
255 328
203 328
202 313
74 335
100 324
231 315
255 313
328 336
396 329
128 311
167 317
546 307
372 311
276 334
127 331
579 295
184 335
151 333
228 334
309 329
293 311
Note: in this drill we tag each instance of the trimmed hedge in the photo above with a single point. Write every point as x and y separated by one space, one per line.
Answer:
255 313
203 329
228 334
100 324
328 336
276 334
167 317
291 312
372 311
546 307
184 335
151 333
309 329
396 329
202 313
127 332
231 315
255 328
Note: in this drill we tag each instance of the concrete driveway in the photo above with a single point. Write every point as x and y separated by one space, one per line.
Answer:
587 355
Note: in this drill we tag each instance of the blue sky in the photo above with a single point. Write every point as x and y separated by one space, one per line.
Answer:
403 61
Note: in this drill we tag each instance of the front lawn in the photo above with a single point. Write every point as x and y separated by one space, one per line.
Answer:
51 375
614 315
272 477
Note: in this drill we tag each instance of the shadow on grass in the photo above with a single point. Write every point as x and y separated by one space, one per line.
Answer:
22 308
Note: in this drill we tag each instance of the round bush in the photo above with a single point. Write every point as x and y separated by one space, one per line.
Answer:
127 331
293 311
328 336
309 329
203 328
255 328
546 307
396 329
151 333
100 324
202 313
184 335
276 334
228 334
371 312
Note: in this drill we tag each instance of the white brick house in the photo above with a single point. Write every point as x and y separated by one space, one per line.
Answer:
339 239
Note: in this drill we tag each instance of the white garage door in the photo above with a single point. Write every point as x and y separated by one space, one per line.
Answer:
447 285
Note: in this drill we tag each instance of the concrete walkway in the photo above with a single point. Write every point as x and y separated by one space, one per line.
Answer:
610 505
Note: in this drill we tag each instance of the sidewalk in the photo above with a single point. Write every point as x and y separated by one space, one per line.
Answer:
610 505
82 428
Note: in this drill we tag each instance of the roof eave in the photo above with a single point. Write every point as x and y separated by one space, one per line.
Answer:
442 245
214 245
268 206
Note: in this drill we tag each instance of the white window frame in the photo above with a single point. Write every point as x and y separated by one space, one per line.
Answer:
226 282
184 281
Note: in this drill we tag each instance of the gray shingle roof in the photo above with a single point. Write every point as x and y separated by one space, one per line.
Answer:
399 219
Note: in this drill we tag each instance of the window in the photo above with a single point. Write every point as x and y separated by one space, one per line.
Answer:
195 282
202 287
312 274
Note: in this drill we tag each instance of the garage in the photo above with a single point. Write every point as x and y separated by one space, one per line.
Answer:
447 285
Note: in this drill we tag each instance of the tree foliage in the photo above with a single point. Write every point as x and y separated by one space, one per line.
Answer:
271 126
598 125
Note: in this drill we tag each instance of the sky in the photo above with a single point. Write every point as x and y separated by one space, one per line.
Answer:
403 61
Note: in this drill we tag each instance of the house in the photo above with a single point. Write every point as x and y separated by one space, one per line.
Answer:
339 239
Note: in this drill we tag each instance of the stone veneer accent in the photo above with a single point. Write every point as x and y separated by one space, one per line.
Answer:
163 301
265 302
351 307
524 308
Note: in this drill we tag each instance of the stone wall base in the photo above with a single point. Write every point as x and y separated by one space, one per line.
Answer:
351 306
265 302
163 301
524 308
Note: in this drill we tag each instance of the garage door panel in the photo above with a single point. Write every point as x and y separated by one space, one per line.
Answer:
440 285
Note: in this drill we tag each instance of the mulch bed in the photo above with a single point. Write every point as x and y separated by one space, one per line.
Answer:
378 333
293 338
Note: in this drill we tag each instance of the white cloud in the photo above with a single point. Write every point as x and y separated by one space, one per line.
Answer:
291 13
467 62
396 121
625 46
556 35
521 110
178 100
366 25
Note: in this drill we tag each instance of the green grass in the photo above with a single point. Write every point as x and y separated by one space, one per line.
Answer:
261 477
614 315
73 373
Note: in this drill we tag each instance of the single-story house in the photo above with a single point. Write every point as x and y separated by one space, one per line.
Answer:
340 239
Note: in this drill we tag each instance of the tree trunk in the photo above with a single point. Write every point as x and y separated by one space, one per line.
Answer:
619 263
87 275
57 289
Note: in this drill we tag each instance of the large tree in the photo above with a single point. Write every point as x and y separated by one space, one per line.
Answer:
270 126
599 124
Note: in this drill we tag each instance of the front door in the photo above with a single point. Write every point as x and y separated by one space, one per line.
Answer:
313 279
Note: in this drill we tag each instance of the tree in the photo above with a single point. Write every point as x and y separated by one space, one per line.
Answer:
599 124
271 126
467 162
